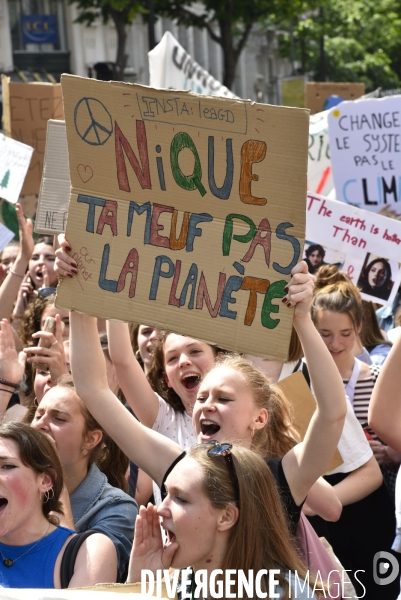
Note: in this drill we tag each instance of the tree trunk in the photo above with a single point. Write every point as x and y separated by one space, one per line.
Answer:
230 57
231 53
119 19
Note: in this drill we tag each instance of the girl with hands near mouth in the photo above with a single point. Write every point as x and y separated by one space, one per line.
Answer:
148 550
222 511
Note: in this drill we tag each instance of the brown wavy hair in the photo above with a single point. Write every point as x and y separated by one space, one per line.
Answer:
260 538
38 453
107 455
371 335
334 291
156 375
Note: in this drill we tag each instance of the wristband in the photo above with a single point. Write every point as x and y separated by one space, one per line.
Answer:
9 383
16 274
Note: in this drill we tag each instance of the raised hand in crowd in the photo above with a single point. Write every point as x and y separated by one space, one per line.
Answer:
26 294
50 354
12 365
11 285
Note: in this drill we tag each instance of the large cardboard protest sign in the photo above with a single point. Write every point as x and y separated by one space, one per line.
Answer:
365 147
171 67
323 96
14 163
54 196
298 393
185 212
26 109
363 244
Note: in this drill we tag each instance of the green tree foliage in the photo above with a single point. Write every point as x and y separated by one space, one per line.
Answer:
362 42
228 22
122 12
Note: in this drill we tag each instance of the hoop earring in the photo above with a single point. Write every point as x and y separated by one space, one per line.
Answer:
47 496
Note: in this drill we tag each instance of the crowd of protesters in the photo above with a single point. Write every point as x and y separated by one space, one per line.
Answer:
100 418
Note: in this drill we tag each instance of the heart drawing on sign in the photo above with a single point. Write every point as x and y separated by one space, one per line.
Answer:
85 172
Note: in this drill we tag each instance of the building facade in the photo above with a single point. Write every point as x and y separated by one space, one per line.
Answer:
41 37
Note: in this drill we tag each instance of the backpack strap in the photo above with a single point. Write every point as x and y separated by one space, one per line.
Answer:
303 367
70 555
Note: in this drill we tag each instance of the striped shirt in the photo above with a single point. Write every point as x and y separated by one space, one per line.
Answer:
363 392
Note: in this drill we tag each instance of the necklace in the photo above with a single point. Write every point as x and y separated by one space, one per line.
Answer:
8 562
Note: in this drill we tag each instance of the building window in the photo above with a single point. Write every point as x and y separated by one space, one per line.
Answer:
37 25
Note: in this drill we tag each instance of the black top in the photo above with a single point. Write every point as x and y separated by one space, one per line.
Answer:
291 510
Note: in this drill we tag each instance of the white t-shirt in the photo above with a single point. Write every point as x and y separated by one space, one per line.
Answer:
177 426
353 445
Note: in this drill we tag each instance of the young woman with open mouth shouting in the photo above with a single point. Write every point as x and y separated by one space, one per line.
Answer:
179 364
222 511
32 543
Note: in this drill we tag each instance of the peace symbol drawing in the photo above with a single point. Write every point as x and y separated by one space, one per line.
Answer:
93 122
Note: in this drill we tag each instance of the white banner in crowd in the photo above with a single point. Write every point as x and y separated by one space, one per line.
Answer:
365 148
6 235
365 245
14 163
171 67
54 195
320 177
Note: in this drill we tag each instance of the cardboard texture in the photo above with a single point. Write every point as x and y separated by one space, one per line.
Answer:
54 196
171 67
127 588
291 91
14 162
186 211
72 594
322 96
26 109
352 238
365 148
297 391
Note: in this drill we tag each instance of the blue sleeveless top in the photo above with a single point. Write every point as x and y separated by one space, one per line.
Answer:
36 569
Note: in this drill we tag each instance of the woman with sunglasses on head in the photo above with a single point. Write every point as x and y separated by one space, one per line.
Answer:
224 499
302 465
32 544
179 362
